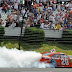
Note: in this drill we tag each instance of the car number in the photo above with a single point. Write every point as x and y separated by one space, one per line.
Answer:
64 61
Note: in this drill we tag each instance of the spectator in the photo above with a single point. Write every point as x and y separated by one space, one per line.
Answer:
58 26
51 18
36 13
16 5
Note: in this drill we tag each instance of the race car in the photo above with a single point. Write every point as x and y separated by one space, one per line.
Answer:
57 59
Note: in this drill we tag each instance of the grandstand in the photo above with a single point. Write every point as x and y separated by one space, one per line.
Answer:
54 18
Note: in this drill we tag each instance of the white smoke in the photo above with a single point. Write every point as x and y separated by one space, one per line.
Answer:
14 58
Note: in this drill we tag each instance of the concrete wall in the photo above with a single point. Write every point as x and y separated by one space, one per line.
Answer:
53 34
16 32
9 31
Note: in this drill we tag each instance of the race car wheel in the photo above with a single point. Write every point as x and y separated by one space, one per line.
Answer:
53 62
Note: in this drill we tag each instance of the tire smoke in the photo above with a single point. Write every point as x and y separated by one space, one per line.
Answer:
14 58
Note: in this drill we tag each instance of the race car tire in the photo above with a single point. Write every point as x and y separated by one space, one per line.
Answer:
53 62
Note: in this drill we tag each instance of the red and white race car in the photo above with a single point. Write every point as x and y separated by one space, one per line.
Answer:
57 59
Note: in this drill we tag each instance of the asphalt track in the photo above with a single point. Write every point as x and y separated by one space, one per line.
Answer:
36 70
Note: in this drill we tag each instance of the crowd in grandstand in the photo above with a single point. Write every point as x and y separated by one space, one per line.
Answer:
46 14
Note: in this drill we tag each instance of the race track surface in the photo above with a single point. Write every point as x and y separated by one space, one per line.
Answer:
37 70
